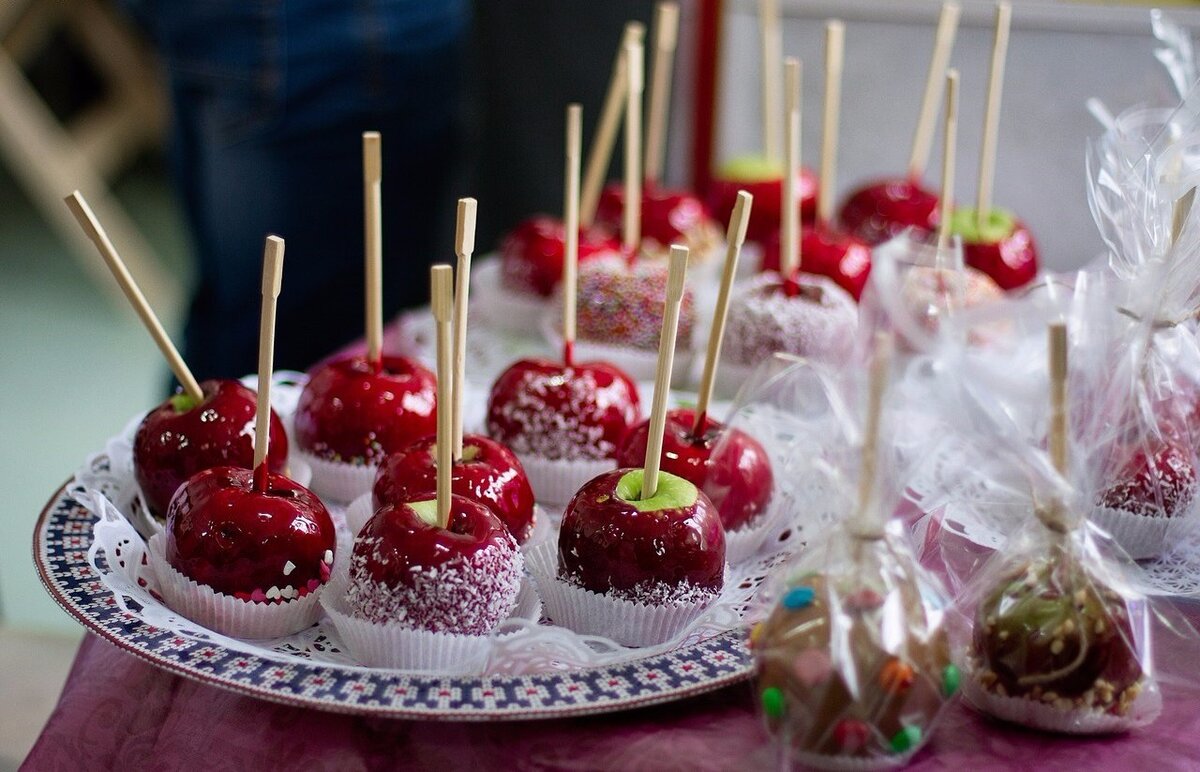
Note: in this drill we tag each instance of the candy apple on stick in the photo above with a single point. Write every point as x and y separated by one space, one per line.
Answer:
253 535
994 241
885 208
444 563
738 480
483 470
354 411
645 534
564 420
203 426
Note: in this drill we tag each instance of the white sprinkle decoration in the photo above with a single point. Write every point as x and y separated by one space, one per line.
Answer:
288 568
273 593
329 557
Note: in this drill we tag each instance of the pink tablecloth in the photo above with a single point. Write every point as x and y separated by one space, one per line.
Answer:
117 712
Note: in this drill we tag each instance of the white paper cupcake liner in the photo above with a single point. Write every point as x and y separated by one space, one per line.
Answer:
638 364
1039 715
1140 536
590 613
743 543
226 614
396 647
504 308
338 481
362 508
555 481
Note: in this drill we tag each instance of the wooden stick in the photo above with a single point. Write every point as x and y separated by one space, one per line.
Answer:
1180 212
870 521
991 114
441 281
771 41
789 236
570 278
666 38
464 245
272 280
835 37
1058 396
91 226
634 72
735 237
600 153
944 42
949 150
373 239
662 375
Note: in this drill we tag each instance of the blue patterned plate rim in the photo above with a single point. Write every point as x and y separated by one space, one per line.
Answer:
61 540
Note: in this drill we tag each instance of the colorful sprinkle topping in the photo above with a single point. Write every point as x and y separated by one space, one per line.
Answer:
950 679
772 702
851 734
906 739
896 676
798 598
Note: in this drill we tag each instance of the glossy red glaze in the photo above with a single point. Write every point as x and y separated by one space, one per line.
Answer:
827 252
1159 481
349 411
396 544
223 533
172 445
606 545
531 257
884 209
668 216
737 480
554 411
1011 262
488 473
767 211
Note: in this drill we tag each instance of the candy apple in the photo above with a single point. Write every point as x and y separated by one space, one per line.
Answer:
555 411
460 579
666 548
668 217
827 252
737 479
354 412
1154 481
181 437
1002 247
268 545
531 258
762 179
487 473
809 317
884 209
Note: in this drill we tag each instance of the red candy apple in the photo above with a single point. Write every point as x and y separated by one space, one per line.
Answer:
268 546
668 547
668 216
556 411
737 480
181 437
1002 247
1155 481
461 579
487 473
351 411
883 210
763 180
531 258
827 252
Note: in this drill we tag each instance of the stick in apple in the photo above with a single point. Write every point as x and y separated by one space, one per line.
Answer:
634 77
949 151
991 115
735 237
943 43
835 43
441 287
373 240
571 221
662 376
1180 212
789 263
600 152
1053 516
666 37
272 280
870 521
464 245
91 226
771 42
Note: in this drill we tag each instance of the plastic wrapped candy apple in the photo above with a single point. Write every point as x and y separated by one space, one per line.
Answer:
853 660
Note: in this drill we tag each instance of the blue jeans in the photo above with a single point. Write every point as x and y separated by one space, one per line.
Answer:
270 100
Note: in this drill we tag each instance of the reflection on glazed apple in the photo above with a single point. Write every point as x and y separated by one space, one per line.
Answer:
827 252
885 209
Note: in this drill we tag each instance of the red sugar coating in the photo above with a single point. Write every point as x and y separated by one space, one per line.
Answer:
531 258
623 306
763 319
1164 487
884 209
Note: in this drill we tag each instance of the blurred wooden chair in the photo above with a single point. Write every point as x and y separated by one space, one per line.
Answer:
50 158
